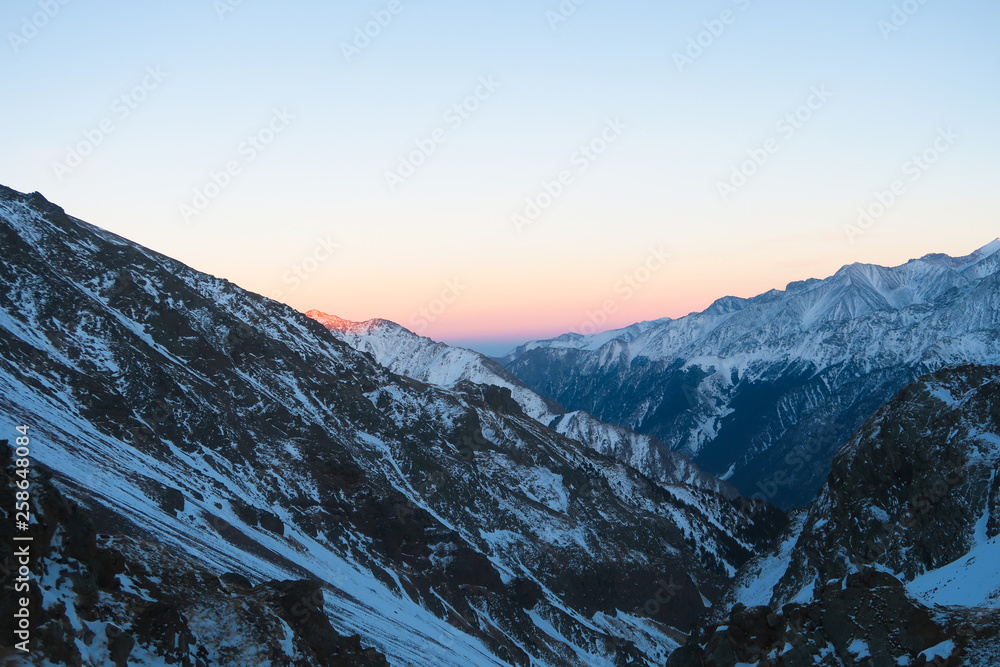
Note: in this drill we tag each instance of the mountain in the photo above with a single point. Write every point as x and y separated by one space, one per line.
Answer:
763 391
418 357
896 557
219 480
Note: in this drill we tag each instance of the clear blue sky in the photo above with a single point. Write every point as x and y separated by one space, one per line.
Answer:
309 217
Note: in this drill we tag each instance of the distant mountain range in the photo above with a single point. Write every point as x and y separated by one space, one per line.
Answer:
763 391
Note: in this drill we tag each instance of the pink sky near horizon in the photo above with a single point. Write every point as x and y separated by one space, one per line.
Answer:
491 311
520 288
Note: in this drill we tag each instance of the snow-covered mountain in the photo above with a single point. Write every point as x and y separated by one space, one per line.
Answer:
324 505
421 358
898 556
763 391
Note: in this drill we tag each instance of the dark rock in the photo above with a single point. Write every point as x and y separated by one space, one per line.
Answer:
236 582
120 645
270 522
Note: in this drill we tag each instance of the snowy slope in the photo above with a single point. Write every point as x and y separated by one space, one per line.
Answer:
970 581
423 359
748 383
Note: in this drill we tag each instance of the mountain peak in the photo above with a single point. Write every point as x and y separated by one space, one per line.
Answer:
330 321
348 326
726 304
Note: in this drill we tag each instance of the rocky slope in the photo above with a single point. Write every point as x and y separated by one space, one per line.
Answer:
194 422
897 555
120 601
764 391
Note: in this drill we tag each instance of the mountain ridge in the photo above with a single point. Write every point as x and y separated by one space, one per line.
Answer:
748 383
730 303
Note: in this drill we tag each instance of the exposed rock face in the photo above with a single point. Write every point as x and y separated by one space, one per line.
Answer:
899 550
864 619
122 601
190 418
913 491
764 391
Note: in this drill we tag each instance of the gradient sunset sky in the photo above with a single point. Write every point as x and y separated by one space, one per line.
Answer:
121 113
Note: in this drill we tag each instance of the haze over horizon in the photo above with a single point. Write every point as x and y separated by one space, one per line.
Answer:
523 166
500 346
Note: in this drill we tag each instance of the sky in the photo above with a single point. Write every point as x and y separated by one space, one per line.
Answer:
491 173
